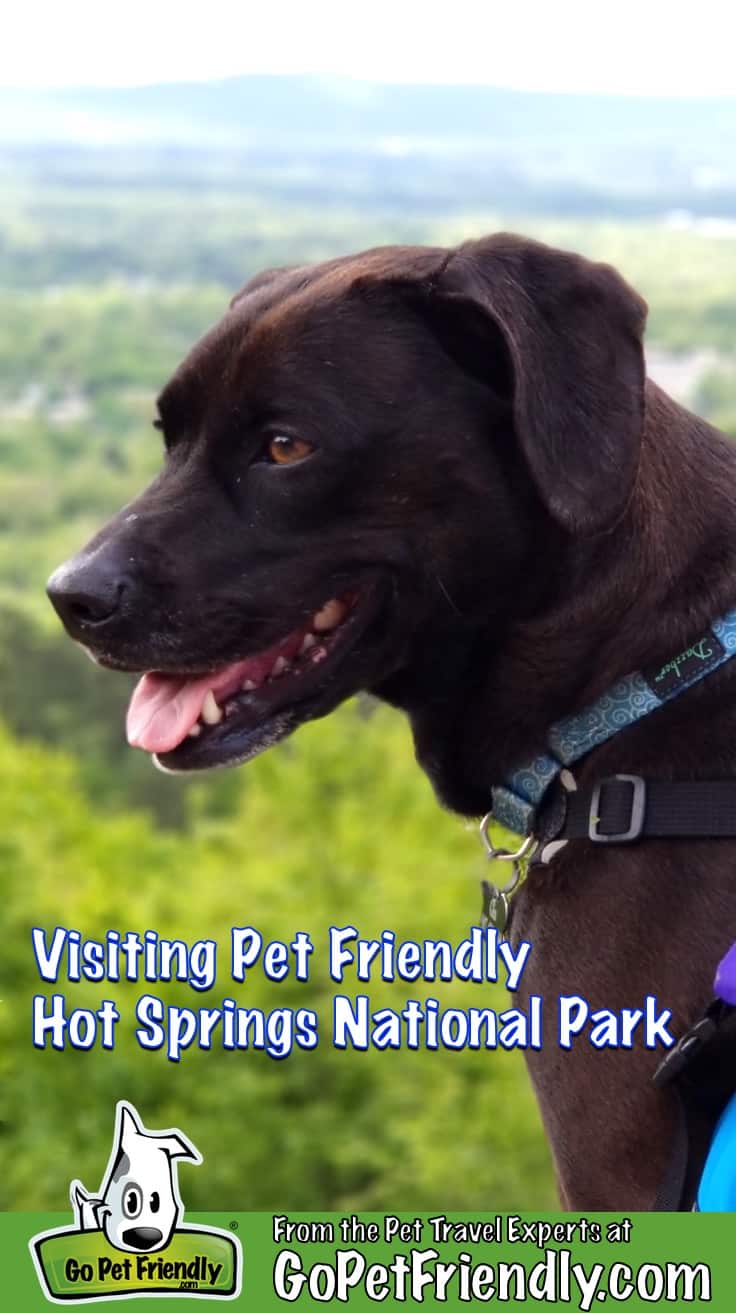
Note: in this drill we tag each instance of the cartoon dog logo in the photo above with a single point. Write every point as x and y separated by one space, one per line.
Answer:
138 1205
138 1212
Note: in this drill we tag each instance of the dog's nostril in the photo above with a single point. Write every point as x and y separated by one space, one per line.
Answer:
85 598
91 608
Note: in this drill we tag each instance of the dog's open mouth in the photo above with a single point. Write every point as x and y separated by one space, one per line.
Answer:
225 717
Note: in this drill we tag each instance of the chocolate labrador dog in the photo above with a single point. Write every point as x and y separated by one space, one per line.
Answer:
442 476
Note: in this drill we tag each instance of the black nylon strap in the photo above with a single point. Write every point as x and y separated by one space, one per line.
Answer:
671 809
671 1197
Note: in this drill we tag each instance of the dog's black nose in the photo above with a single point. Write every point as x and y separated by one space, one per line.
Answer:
86 593
142 1237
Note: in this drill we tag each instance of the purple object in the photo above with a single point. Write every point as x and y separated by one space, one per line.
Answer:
725 983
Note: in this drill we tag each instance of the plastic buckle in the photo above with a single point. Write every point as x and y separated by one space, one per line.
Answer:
638 809
682 1053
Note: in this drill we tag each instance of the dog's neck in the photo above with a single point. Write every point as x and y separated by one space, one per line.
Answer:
616 603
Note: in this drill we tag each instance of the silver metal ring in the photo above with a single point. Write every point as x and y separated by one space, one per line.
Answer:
503 854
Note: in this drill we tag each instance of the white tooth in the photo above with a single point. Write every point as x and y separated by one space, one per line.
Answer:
248 685
279 666
211 713
329 616
308 641
195 731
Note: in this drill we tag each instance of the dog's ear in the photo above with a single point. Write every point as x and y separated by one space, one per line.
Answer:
562 338
129 1126
177 1145
86 1207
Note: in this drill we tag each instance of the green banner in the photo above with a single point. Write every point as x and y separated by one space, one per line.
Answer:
450 1261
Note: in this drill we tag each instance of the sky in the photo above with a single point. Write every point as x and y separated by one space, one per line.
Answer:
659 47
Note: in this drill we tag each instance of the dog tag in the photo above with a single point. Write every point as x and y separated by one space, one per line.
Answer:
495 909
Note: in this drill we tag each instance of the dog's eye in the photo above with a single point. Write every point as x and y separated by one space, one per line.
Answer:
284 450
132 1200
155 1202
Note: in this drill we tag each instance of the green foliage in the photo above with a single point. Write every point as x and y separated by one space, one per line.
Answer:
49 692
336 827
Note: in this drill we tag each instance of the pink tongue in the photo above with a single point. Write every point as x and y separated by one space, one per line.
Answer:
163 709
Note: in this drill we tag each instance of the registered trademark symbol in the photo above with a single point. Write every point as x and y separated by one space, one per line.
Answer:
233 1226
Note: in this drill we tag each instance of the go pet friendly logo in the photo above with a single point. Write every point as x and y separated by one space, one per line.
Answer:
127 1240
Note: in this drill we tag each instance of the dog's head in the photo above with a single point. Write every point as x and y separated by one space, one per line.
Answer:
368 462
139 1204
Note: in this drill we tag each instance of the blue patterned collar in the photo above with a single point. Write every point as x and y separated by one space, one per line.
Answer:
515 802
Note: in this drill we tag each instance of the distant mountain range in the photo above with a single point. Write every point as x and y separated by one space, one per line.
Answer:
244 111
658 151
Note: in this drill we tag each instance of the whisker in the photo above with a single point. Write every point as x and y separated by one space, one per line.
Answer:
443 589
